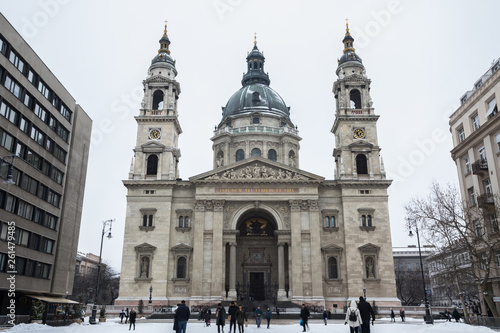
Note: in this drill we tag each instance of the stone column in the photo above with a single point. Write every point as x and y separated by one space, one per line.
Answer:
218 252
316 266
198 226
281 272
232 271
296 271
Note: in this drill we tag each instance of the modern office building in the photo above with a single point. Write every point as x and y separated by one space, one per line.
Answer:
45 137
256 226
475 129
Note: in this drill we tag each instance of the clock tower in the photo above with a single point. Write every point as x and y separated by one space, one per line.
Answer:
156 154
356 153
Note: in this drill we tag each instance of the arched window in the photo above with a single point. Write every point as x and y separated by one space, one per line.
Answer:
363 220
271 154
332 268
361 165
181 221
181 268
355 97
152 168
327 222
158 100
291 159
255 152
186 221
240 155
369 220
147 220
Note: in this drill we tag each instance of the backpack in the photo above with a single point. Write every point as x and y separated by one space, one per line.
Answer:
353 316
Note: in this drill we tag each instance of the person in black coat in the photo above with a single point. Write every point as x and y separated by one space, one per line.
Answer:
220 318
232 316
131 320
304 315
365 310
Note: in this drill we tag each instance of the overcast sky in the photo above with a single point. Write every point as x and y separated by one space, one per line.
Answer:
421 56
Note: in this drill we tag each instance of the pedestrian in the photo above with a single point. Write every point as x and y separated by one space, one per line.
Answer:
393 316
402 314
268 316
220 318
122 315
304 315
241 318
82 315
278 312
126 316
325 317
183 313
258 316
365 311
232 316
207 315
353 317
132 315
456 315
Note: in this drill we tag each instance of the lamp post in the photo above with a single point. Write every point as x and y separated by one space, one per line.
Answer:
8 180
104 230
150 295
364 292
428 317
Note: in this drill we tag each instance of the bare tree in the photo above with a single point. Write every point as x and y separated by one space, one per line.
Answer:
445 220
85 284
408 283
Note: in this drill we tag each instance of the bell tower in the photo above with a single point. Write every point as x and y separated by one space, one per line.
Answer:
156 154
356 153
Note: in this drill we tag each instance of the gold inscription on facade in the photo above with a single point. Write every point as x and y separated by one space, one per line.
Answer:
256 190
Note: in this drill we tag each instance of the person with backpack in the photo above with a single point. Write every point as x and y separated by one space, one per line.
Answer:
353 317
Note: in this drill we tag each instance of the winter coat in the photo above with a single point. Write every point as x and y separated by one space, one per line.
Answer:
304 313
220 316
353 309
258 313
183 313
133 315
455 314
268 314
232 311
365 309
241 316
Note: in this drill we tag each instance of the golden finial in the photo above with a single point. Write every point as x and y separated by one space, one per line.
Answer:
255 38
165 31
347 25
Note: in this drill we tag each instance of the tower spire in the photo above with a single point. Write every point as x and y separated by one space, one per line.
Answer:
164 42
255 39
255 67
348 40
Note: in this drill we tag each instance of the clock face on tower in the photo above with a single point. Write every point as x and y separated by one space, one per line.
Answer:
154 133
359 133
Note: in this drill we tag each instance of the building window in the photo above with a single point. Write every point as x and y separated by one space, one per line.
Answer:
13 86
492 108
475 122
255 152
467 165
47 245
461 134
152 168
158 100
366 220
183 221
487 186
361 164
355 97
482 154
330 222
181 268
498 142
16 61
240 155
9 113
472 196
147 220
271 154
42 88
478 230
332 268
494 222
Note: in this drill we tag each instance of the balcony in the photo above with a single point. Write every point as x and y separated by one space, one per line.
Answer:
480 167
485 200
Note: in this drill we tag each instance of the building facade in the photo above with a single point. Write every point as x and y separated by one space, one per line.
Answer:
87 264
475 129
49 135
256 226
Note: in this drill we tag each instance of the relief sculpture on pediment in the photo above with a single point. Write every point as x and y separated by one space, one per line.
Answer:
257 172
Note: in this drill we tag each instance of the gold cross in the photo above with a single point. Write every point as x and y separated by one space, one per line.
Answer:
255 38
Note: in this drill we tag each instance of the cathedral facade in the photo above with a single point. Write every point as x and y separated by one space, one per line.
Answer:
257 226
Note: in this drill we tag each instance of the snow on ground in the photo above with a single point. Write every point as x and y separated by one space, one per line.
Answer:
277 326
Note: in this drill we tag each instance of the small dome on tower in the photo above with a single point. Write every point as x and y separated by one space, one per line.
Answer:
163 55
349 51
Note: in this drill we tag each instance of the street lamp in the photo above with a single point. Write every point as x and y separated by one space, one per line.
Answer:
428 317
150 295
9 180
104 230
364 292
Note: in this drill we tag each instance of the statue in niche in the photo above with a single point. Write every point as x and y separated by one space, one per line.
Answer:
370 268
144 268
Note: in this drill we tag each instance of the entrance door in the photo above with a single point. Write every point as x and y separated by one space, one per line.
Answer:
257 289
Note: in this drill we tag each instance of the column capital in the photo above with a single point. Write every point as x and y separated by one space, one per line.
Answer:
218 205
199 205
295 205
313 205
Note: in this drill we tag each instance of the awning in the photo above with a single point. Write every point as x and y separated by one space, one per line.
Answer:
50 299
491 106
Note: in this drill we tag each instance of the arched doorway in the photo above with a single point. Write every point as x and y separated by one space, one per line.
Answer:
257 256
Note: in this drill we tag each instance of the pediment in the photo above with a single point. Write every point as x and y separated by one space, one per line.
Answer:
369 248
152 146
257 169
145 247
181 248
158 78
332 248
361 145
